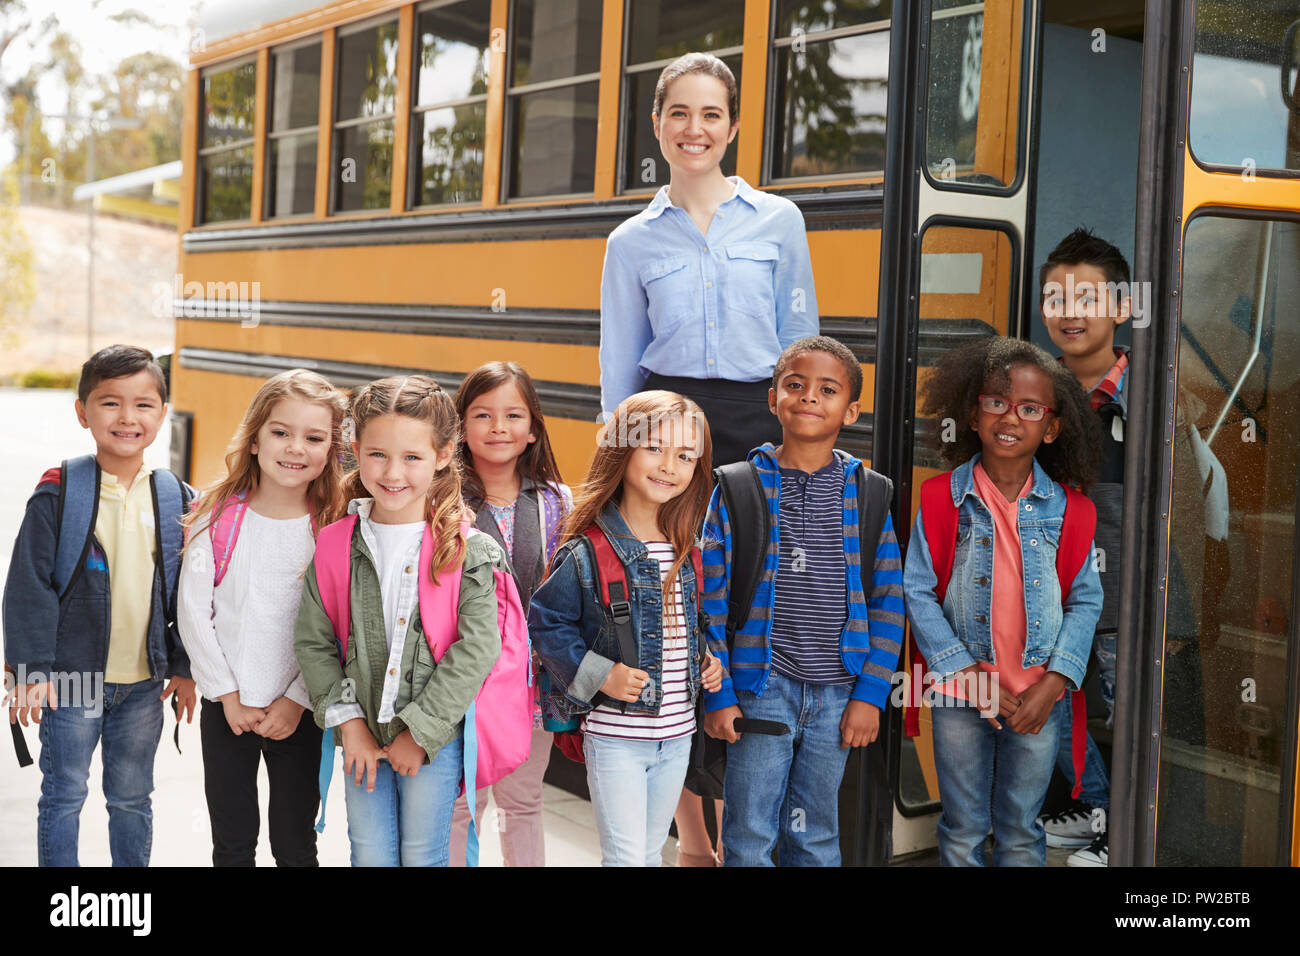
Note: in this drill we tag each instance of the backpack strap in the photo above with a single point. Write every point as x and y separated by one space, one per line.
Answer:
613 590
78 507
939 517
333 562
875 494
223 530
1077 529
751 526
169 506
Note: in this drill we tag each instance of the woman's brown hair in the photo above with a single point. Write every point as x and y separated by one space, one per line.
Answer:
634 423
703 63
421 399
325 492
537 463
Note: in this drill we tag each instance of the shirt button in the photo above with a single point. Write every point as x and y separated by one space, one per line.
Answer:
719 215
408 569
1038 624
1033 542
1028 506
392 671
708 285
1035 582
710 325
401 622
710 361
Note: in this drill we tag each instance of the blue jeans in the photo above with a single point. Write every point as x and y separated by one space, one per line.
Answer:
991 779
406 821
782 793
635 786
129 724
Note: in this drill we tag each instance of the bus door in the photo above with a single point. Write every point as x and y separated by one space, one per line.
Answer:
952 269
1222 659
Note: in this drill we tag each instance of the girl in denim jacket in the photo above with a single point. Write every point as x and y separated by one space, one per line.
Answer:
1003 647
647 492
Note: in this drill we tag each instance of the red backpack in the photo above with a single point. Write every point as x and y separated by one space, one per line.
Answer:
1079 524
611 584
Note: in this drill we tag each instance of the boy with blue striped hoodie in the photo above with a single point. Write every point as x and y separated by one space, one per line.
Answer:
821 640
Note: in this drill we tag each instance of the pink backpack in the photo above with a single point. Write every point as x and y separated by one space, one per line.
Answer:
499 723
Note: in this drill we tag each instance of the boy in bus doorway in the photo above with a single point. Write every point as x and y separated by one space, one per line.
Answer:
1085 298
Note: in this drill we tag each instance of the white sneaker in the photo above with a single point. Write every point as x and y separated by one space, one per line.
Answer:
1097 853
1069 827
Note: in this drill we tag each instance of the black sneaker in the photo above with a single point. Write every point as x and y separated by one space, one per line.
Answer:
1069 827
1095 853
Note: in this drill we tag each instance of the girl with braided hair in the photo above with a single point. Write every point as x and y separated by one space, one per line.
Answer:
399 716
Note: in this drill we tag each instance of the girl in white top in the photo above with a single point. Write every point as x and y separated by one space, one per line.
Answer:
236 608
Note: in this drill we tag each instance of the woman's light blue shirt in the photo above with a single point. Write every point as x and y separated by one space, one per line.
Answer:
725 305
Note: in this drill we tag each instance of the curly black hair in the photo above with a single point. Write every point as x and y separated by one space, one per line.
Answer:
953 390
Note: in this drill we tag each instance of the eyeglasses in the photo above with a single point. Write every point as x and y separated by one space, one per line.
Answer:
1025 411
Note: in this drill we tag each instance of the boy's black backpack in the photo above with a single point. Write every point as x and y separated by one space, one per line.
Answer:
750 523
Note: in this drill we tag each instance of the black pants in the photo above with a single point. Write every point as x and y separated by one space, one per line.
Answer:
739 419
230 783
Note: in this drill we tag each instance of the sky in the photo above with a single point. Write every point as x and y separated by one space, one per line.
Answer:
103 43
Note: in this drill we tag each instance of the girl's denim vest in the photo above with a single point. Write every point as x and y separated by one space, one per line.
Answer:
577 653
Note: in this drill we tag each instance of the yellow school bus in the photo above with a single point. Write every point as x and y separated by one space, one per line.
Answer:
376 187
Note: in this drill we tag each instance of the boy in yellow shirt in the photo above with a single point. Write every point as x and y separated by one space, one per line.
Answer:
89 611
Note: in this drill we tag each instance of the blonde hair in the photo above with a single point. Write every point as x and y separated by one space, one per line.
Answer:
423 400
324 493
630 427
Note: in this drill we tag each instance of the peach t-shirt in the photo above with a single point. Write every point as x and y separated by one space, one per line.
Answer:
1008 586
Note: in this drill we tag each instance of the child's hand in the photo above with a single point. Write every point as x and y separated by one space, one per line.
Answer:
187 698
1036 704
26 700
242 720
718 724
996 704
360 752
281 719
405 755
711 676
860 724
624 683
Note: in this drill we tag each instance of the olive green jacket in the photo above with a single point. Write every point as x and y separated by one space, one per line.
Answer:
432 697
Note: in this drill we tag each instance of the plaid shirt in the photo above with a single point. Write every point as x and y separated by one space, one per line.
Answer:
1109 387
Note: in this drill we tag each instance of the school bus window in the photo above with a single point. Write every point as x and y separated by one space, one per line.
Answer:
1240 114
657 33
293 115
366 96
831 64
972 108
551 102
225 180
450 112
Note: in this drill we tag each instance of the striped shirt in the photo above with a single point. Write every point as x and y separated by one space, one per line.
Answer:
676 717
810 605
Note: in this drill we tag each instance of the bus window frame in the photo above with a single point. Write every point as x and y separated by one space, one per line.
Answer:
769 95
511 96
201 152
414 166
1027 73
268 134
340 32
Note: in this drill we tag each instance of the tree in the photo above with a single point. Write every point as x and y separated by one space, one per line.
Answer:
17 270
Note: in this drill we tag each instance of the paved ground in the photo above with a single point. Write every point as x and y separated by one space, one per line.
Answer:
39 430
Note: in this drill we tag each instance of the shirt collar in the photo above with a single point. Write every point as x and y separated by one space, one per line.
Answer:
743 190
107 480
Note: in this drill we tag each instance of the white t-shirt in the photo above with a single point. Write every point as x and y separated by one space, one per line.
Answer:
239 636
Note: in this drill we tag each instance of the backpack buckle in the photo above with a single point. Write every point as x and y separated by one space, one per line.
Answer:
622 611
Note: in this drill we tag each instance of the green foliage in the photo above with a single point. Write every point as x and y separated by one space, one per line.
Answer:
46 378
17 268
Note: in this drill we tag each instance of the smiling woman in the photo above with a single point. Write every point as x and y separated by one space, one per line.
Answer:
703 288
